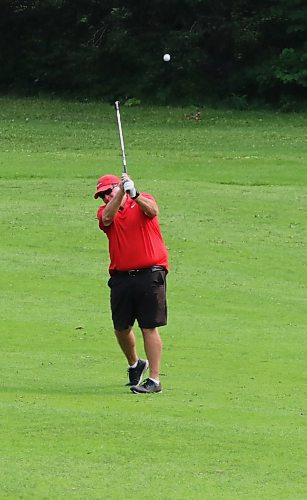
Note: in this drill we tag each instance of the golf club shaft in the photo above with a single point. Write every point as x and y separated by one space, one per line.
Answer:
121 137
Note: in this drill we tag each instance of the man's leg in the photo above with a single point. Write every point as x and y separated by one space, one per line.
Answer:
137 367
153 349
126 340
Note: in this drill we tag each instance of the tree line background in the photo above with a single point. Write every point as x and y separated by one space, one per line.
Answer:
236 51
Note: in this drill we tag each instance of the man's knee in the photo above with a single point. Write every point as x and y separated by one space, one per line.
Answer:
124 332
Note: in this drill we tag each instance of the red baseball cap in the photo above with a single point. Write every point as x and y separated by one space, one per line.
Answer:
106 182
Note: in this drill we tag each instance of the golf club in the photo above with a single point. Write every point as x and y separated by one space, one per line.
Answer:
121 138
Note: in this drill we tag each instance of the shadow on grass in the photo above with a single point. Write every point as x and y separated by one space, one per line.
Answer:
103 389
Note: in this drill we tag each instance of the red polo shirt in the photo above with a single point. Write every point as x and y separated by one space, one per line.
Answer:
135 240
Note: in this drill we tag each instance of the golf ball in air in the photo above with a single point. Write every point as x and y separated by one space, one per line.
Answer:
166 57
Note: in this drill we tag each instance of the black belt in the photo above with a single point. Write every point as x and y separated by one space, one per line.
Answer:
135 272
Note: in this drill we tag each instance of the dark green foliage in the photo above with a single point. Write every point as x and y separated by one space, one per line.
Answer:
238 50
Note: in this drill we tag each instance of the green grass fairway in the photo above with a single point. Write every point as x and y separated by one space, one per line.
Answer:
231 421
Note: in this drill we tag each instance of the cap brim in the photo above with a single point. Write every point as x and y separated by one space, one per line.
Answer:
101 189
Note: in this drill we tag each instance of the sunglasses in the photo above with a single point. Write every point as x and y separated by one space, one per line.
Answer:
106 192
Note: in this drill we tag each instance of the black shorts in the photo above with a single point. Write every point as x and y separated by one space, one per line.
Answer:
138 295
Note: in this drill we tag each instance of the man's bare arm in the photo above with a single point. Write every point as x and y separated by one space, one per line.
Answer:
112 207
149 207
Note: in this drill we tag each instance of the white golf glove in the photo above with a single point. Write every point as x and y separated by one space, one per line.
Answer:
129 186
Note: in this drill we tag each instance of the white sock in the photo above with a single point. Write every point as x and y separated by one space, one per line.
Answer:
134 365
157 382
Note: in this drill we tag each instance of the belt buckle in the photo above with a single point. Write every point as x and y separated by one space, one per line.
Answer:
132 272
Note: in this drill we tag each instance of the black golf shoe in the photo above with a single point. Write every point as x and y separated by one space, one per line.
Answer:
147 387
136 374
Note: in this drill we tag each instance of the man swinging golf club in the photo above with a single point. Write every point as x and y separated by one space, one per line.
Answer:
138 268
